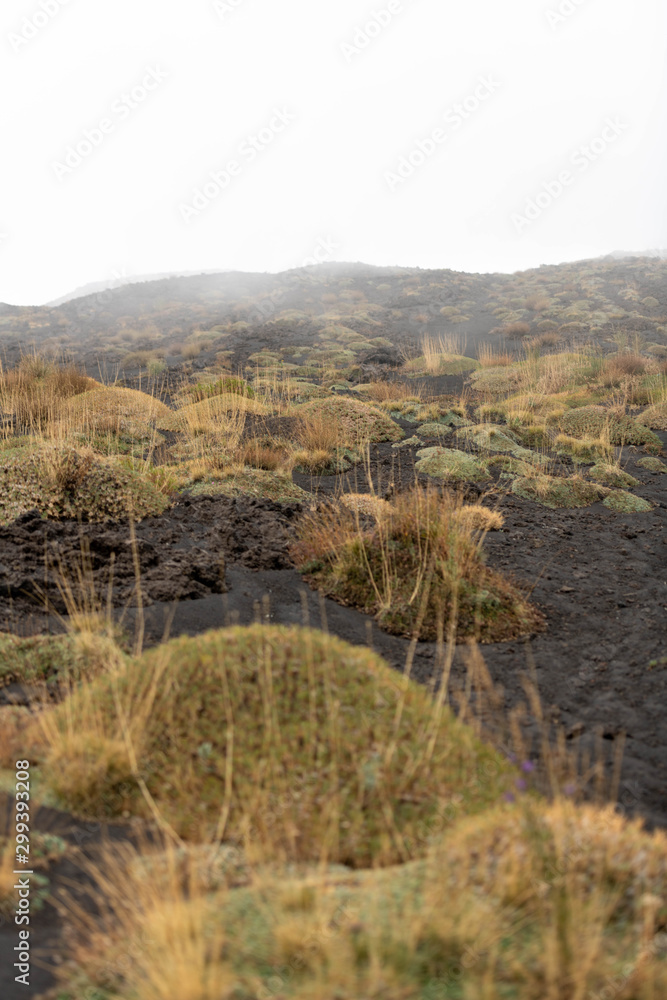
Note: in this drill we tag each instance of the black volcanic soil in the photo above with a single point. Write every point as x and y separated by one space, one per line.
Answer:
182 553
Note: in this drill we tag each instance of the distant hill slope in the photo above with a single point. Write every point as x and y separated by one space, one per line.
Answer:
94 287
226 316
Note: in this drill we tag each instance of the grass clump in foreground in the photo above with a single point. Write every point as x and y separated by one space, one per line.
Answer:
418 566
525 902
284 739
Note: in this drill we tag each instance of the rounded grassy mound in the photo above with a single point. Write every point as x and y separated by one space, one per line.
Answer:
626 503
611 475
450 464
434 429
124 410
496 381
289 735
515 849
622 429
63 483
557 491
213 409
653 465
359 422
655 417
53 659
498 438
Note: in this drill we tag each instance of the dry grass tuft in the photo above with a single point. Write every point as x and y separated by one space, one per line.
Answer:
476 517
366 503
515 331
490 358
33 391
417 567
383 392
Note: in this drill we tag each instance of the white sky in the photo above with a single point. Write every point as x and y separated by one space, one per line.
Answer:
327 177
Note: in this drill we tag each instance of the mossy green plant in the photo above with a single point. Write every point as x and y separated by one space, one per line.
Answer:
451 464
652 464
251 482
612 475
498 381
53 659
557 491
447 364
655 416
509 466
62 482
626 503
582 451
411 442
497 438
434 429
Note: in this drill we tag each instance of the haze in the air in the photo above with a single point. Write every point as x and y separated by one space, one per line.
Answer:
245 134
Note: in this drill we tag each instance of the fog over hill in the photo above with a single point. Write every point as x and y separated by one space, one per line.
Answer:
119 281
226 316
